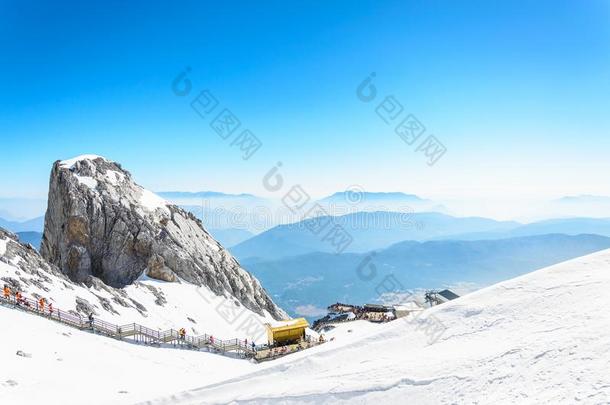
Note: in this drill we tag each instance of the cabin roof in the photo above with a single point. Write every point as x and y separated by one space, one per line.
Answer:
297 323
448 294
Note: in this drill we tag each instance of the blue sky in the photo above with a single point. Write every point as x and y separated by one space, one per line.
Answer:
517 91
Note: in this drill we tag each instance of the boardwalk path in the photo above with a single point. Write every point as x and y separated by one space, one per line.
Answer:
135 332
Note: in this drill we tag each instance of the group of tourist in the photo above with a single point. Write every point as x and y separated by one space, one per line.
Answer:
278 351
41 305
44 307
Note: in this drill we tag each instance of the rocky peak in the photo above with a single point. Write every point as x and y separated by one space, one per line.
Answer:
100 223
25 258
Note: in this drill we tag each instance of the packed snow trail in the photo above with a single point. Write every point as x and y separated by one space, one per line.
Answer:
543 338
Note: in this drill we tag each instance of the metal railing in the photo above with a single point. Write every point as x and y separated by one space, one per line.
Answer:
133 331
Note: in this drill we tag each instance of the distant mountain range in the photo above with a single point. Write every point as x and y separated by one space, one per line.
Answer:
368 230
567 226
351 201
378 230
169 195
577 206
33 238
31 225
257 214
230 236
342 196
365 196
316 280
597 199
21 209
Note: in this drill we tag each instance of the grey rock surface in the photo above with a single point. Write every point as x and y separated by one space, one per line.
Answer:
100 223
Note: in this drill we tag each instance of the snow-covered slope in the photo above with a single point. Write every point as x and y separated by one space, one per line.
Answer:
153 303
540 338
70 367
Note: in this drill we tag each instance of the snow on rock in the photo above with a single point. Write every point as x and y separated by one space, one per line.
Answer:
87 181
542 338
151 201
69 163
114 177
116 230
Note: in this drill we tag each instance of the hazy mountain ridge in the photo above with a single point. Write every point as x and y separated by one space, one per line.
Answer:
33 238
356 196
30 225
229 237
584 198
320 279
567 226
369 231
204 194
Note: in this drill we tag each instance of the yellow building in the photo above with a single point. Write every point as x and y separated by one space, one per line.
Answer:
284 332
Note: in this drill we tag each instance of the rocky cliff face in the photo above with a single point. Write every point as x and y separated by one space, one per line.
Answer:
24 270
100 223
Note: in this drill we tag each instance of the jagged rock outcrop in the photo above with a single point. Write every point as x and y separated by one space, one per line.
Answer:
27 260
23 269
100 223
157 269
